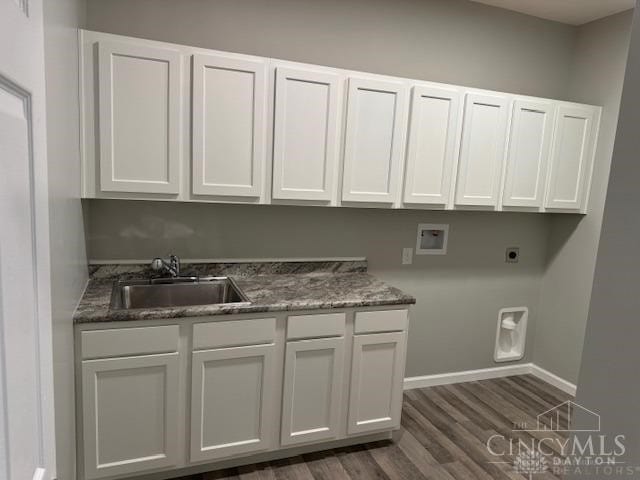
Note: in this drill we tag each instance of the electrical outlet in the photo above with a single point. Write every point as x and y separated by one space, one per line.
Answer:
407 256
512 255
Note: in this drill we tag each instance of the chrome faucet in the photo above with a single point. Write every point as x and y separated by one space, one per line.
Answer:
172 267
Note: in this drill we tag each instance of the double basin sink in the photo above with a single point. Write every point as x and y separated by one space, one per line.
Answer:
176 292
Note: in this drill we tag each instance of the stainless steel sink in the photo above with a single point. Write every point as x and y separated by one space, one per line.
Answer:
176 292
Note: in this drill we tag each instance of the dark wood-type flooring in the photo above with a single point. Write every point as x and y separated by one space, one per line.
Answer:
443 437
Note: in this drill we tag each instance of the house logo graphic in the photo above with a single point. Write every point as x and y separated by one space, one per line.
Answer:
558 419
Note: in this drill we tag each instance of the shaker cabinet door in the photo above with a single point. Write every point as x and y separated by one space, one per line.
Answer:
374 140
139 118
528 156
572 157
129 414
377 373
312 397
434 138
306 144
484 140
232 389
229 125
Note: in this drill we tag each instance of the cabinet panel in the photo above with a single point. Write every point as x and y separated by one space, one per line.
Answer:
120 342
381 321
139 116
306 134
374 140
312 390
315 325
482 151
232 390
233 333
571 158
377 373
229 108
434 137
529 147
130 414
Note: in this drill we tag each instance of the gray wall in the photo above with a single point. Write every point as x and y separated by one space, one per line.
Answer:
459 295
608 378
596 77
68 259
453 41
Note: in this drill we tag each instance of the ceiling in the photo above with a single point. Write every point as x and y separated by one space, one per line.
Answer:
573 12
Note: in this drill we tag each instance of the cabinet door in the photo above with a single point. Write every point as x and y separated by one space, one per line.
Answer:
306 140
377 373
374 140
232 390
129 414
312 395
140 120
571 158
433 141
482 152
529 147
229 108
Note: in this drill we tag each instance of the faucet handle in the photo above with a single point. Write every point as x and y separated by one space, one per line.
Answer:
175 265
157 264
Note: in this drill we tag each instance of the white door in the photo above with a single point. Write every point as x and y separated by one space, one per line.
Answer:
484 140
27 446
230 401
529 147
572 157
130 414
139 116
377 373
313 375
306 143
374 140
434 139
229 105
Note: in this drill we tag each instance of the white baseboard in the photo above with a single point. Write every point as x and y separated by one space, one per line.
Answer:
553 379
488 373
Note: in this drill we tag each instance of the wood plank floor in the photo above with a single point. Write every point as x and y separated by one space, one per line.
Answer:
443 437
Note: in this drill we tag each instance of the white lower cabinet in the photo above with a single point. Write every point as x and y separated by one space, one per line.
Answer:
377 374
312 397
130 414
252 385
231 390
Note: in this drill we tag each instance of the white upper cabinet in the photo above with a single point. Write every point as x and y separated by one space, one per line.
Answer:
271 131
139 118
434 138
306 143
229 125
572 157
374 140
528 156
482 152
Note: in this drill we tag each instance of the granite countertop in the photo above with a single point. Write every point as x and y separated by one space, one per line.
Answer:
270 287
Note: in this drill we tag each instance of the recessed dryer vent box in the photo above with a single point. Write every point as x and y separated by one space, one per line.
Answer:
432 239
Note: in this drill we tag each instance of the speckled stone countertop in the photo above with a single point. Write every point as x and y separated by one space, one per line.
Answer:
270 287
